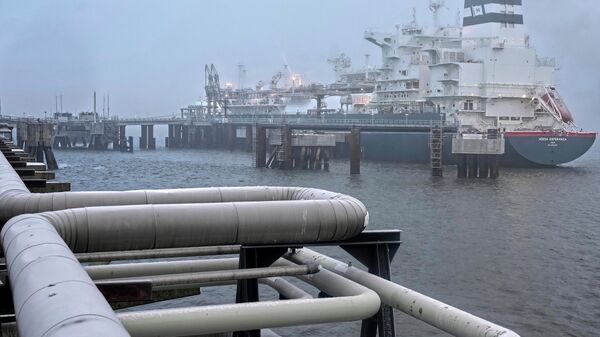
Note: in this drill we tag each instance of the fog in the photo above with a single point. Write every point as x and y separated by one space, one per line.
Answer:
150 55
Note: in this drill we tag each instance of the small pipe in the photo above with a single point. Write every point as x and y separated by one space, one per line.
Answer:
431 311
116 271
285 288
356 303
222 275
146 269
156 253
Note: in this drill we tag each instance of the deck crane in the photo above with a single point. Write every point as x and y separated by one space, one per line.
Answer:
212 87
275 80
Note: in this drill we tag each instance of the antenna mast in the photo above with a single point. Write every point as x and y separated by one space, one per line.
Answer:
241 73
434 7
367 57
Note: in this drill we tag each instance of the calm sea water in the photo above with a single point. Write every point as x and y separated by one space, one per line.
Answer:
522 251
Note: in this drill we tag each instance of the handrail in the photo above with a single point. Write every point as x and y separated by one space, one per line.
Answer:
274 120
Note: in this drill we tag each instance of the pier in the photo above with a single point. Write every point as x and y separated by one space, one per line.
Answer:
314 139
282 142
49 288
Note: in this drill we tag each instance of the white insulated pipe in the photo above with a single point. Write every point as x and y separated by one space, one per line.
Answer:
44 267
113 228
53 296
16 199
431 311
356 303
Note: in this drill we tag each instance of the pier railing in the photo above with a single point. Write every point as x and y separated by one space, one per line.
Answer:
291 120
275 120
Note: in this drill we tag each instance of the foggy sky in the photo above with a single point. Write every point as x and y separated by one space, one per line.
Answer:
150 55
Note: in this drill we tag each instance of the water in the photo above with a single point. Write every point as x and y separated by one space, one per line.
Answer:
522 251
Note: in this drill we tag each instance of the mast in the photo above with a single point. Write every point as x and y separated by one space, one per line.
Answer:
434 7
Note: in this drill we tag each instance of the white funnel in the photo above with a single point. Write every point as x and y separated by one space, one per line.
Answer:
502 19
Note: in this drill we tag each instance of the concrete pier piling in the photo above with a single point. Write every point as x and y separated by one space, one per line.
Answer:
249 138
21 134
260 147
144 138
147 140
175 139
185 137
355 150
483 165
494 166
170 134
478 154
286 158
38 142
231 137
461 166
472 165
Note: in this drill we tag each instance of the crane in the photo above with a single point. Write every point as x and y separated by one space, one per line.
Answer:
275 80
212 86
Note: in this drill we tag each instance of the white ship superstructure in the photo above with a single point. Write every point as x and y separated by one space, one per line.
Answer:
483 74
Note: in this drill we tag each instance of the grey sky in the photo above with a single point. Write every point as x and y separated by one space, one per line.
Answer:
150 55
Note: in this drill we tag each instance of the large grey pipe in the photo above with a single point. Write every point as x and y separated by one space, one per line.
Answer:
50 286
114 228
52 294
16 199
431 311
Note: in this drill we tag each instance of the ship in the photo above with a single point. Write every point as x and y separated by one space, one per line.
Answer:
480 74
285 94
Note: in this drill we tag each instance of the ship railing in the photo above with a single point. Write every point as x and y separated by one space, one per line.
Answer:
340 121
145 119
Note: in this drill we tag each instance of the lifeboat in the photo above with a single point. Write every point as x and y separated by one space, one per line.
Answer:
558 106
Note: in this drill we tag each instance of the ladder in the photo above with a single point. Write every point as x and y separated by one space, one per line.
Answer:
436 138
